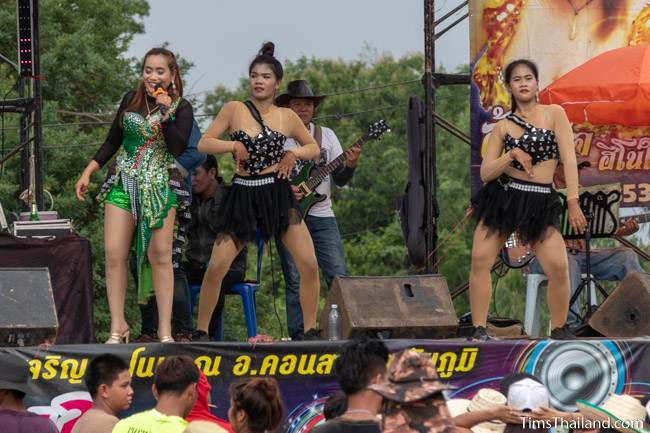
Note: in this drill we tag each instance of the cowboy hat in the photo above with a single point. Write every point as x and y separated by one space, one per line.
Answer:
411 377
298 89
625 413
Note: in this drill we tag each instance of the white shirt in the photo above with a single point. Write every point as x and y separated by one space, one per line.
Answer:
330 150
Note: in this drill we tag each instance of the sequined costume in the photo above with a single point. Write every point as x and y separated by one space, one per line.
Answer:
144 181
258 202
509 205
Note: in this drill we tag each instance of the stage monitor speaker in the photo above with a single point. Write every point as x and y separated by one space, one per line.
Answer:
407 306
27 310
626 312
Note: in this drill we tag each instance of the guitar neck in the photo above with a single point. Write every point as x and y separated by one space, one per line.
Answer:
641 219
326 170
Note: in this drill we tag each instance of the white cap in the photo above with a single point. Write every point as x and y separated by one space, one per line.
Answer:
527 394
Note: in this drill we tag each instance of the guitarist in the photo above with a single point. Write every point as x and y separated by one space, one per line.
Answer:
607 264
320 220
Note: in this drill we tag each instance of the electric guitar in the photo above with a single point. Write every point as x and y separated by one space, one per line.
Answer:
516 254
311 176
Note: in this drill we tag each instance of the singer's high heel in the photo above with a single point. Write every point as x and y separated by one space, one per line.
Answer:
118 338
166 339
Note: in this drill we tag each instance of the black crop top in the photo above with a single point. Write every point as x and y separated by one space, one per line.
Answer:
265 149
539 143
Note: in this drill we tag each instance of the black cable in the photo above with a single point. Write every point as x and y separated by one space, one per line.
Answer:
366 89
274 289
2 135
494 295
336 115
339 116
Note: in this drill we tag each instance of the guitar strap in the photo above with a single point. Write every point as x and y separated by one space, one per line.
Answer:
318 136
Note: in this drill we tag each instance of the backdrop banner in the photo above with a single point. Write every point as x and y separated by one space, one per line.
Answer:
560 35
588 370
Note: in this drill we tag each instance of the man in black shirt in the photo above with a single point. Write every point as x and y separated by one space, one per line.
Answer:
362 363
208 192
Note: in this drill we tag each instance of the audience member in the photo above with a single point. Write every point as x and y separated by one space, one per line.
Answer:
335 405
486 412
204 427
109 383
362 363
175 392
201 409
413 399
255 406
621 413
14 417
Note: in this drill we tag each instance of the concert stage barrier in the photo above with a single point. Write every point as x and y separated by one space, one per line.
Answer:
572 370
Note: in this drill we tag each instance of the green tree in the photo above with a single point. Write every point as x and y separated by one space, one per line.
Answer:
85 69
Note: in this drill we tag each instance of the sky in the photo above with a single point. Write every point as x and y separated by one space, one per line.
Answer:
221 37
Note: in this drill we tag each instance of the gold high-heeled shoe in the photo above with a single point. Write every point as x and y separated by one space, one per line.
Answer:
166 339
118 338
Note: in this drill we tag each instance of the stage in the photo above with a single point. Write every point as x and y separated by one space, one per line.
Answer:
572 370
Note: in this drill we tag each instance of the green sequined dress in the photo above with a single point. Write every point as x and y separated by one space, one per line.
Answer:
145 182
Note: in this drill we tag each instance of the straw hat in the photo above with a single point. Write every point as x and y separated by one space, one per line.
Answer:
617 409
484 399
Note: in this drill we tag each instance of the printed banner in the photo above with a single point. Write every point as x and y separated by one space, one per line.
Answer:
588 370
559 36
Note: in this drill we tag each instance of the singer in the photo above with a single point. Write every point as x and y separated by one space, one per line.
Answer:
261 198
143 194
518 196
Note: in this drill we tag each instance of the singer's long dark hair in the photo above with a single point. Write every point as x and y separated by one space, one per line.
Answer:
137 102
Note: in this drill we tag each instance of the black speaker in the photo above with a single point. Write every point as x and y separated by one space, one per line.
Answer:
626 311
27 311
417 306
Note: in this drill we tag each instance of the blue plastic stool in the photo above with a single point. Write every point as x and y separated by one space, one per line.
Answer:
244 289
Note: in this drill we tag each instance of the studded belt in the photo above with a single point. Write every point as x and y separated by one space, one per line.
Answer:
509 182
254 182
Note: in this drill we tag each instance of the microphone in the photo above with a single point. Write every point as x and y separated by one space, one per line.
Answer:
158 89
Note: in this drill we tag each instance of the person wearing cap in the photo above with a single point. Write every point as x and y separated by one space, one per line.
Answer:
413 398
320 220
361 364
14 417
108 381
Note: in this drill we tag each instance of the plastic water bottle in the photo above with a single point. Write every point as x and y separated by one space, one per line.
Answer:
334 323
